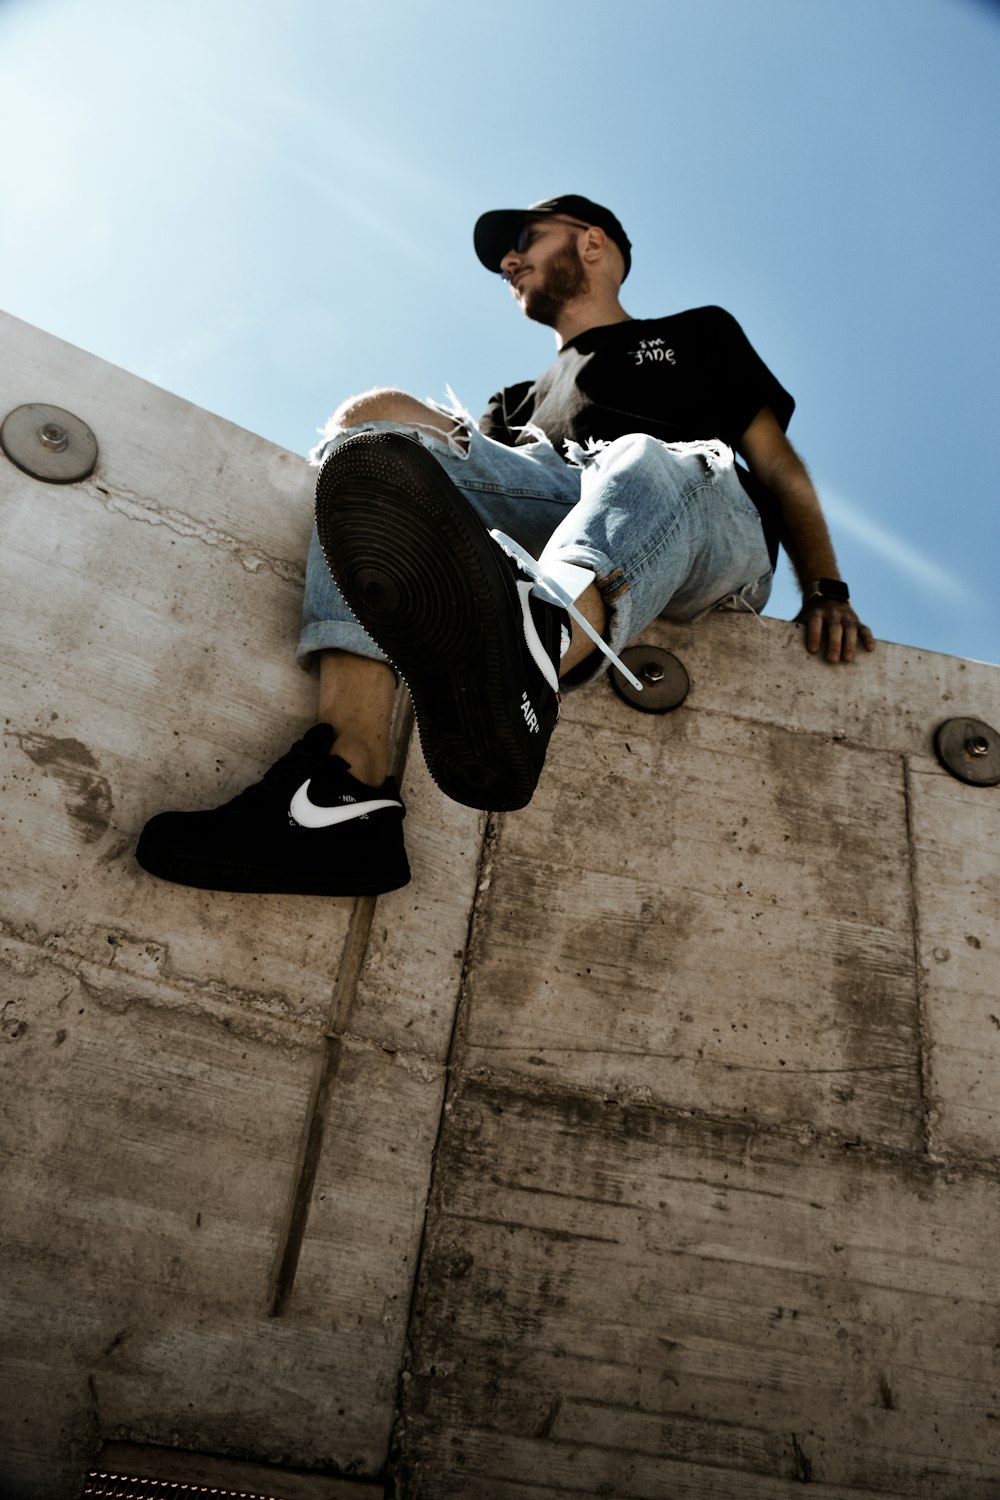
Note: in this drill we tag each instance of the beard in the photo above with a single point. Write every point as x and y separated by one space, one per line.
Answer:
564 279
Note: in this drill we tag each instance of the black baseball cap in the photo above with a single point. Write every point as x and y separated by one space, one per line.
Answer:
496 232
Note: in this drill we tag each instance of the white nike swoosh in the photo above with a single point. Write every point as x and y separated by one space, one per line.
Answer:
308 815
551 587
539 655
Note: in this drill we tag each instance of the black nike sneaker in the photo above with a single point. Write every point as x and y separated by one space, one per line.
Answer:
308 828
476 644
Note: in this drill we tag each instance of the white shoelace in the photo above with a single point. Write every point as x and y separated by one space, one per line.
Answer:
558 595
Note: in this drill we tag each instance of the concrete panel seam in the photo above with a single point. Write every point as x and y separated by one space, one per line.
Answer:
484 871
920 997
352 959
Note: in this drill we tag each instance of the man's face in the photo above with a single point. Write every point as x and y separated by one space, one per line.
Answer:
545 271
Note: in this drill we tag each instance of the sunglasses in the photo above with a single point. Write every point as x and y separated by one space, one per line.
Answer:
528 230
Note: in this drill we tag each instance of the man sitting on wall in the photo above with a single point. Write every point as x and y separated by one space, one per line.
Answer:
495 566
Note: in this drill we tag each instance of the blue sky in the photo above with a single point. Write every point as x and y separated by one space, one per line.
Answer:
264 205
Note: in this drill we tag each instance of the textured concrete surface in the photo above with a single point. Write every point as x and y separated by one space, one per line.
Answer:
162 1045
646 1145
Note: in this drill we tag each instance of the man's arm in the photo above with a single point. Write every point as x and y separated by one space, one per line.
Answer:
804 536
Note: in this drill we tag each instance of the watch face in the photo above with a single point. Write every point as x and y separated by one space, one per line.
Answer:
833 588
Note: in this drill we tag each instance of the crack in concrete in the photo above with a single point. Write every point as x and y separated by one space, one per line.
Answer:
140 963
211 998
251 559
469 1081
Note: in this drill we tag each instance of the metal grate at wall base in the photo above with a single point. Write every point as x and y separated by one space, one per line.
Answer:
142 1471
132 1487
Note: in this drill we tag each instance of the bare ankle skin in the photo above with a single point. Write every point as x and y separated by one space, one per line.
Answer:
356 696
591 606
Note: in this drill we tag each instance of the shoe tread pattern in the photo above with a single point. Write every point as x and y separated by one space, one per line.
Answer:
425 580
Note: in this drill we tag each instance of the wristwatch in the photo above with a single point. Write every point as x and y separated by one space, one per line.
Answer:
826 588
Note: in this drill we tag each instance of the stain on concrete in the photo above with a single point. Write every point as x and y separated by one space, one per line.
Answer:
803 1463
88 794
12 1026
887 1396
549 1420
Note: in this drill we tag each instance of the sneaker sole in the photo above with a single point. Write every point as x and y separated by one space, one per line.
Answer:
245 880
423 578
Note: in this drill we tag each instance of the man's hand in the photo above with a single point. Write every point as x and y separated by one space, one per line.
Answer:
805 538
839 624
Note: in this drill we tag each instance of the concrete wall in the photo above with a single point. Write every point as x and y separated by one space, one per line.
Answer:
647 1144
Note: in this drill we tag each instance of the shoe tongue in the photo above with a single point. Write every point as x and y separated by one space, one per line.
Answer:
336 769
549 619
317 740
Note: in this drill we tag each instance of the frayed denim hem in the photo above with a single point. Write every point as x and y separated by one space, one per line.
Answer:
334 635
749 600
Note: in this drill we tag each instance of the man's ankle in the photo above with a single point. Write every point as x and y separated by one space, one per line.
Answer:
592 607
371 767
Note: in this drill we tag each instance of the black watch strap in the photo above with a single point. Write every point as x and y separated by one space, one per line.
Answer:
826 588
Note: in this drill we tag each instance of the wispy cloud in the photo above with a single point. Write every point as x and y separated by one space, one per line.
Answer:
847 518
335 159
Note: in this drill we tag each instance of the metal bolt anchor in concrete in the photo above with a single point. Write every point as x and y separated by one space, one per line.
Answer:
54 437
48 443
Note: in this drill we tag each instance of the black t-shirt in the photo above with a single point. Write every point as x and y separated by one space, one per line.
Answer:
684 378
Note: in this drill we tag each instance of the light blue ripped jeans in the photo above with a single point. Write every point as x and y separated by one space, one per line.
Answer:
667 529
